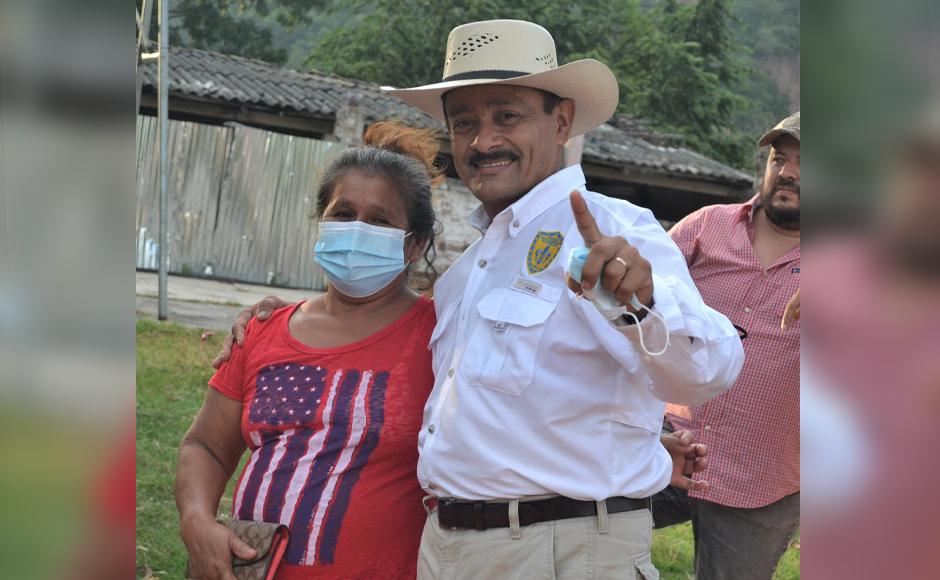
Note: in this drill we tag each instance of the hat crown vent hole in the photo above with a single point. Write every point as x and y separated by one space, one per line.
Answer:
548 59
470 44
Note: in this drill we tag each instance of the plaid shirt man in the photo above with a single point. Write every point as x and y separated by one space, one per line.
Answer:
752 430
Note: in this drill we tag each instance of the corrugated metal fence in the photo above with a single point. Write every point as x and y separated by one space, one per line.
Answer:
240 202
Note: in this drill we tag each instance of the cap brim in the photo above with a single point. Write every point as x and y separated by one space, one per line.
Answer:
588 82
772 135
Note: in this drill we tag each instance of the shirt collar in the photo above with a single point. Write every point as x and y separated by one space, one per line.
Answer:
546 194
748 208
479 220
746 214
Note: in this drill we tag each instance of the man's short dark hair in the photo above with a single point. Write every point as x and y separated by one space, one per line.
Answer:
549 102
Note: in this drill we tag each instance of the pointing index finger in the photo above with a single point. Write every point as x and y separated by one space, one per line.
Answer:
582 216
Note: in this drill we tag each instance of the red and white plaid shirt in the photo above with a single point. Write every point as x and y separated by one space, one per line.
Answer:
753 430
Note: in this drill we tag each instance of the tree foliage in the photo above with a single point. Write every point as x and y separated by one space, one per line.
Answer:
771 28
239 27
689 72
678 65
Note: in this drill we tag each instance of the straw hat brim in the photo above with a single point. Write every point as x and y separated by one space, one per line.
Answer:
588 82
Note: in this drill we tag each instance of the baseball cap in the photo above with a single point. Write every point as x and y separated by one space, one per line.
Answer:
789 126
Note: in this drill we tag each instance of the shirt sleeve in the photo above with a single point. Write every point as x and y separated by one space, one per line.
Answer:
704 356
229 380
685 234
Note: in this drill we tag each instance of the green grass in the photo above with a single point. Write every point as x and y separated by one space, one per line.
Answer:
673 553
173 365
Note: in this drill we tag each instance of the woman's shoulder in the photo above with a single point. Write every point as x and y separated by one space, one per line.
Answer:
418 321
427 314
426 302
277 322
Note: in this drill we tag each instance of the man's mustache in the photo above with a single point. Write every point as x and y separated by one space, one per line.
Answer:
501 155
790 184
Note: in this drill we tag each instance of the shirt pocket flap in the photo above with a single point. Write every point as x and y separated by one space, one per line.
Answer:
512 307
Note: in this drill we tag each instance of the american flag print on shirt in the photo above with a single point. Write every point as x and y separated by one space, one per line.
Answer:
312 432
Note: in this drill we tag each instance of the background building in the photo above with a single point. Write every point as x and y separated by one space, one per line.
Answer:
248 139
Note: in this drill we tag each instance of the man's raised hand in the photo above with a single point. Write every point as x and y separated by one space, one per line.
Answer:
620 267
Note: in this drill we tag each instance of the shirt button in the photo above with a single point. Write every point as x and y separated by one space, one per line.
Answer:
747 309
450 373
515 223
482 263
431 429
707 427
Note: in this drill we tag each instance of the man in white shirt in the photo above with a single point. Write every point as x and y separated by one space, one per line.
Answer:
537 395
540 446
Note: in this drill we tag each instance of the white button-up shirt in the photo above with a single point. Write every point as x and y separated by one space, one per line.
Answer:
535 392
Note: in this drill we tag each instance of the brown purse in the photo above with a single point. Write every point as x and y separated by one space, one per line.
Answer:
268 540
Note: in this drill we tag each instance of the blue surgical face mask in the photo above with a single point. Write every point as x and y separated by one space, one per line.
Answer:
360 259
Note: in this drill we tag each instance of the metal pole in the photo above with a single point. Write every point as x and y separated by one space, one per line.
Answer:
164 158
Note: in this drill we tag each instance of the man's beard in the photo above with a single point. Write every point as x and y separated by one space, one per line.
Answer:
786 218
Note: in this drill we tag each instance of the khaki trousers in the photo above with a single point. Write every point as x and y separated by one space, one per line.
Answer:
599 547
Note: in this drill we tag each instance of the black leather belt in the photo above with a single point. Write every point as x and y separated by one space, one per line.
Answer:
480 515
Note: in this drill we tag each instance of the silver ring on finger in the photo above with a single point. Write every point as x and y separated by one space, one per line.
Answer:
621 260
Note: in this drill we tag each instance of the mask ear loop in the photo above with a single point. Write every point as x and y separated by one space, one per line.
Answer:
409 264
636 321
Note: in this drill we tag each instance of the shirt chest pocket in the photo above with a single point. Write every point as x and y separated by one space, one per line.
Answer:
501 354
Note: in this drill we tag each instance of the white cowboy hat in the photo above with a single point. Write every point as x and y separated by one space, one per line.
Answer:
515 52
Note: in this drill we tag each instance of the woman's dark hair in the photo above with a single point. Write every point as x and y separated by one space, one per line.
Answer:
406 156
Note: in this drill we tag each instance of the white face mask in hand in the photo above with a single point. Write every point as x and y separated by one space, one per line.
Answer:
608 306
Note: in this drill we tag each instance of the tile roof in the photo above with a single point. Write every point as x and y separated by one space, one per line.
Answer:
233 79
608 145
243 81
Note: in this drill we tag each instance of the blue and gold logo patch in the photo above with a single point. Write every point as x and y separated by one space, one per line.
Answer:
542 251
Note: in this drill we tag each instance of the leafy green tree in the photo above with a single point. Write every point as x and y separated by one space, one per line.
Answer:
384 42
680 66
239 27
770 28
722 67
